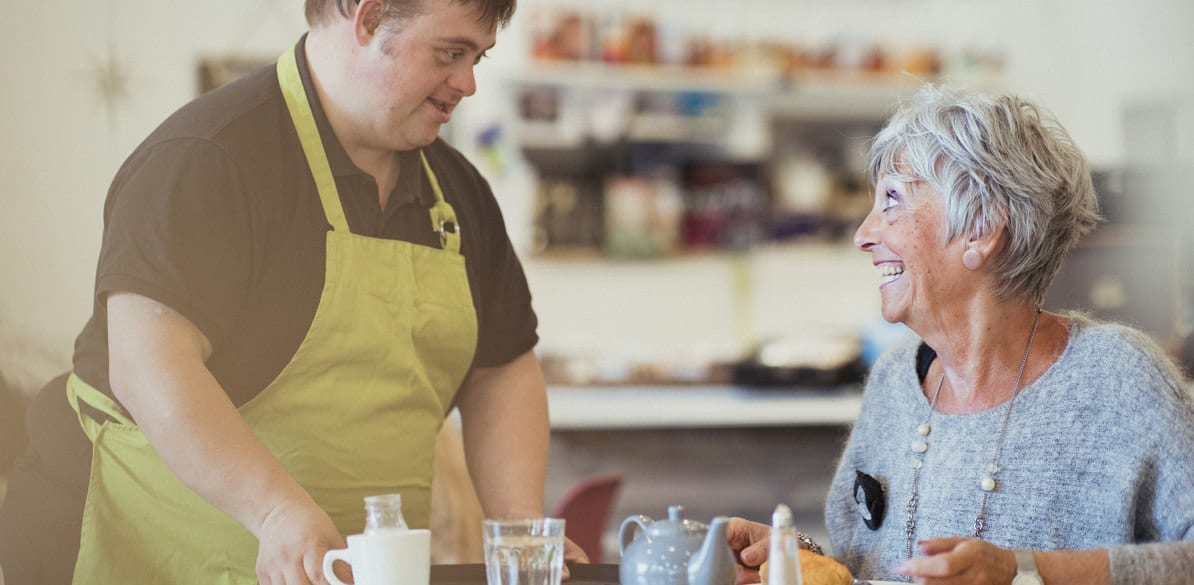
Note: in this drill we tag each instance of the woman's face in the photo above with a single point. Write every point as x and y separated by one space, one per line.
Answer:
905 234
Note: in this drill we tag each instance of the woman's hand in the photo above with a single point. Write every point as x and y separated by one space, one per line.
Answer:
750 542
291 543
960 560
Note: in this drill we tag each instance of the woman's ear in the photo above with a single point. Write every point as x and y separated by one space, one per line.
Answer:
980 249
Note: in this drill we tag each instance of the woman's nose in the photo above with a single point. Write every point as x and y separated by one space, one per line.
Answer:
864 237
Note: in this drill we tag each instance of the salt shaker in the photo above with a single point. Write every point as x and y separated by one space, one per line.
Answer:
783 558
384 513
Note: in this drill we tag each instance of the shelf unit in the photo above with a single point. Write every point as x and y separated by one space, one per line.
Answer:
592 76
579 123
669 407
762 95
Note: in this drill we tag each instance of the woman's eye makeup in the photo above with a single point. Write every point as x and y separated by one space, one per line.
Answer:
890 198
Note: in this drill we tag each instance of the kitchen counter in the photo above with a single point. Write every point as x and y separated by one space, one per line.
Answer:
699 406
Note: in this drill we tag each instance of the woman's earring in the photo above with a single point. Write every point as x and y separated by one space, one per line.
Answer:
972 259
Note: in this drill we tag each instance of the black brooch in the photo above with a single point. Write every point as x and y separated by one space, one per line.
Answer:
872 502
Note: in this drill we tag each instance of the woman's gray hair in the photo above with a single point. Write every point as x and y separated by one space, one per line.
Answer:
997 161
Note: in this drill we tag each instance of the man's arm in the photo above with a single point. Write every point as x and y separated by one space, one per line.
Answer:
503 413
157 371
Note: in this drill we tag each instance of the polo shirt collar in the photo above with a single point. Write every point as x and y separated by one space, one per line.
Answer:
410 185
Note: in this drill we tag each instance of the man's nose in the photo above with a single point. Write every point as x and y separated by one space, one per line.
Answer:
464 82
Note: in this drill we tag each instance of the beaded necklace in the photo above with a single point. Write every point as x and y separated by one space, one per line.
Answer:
988 483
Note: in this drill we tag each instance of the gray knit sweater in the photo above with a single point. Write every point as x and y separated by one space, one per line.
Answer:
1099 453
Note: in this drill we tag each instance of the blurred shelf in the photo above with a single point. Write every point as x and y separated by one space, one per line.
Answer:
603 76
716 101
653 407
547 135
642 127
803 248
656 127
842 97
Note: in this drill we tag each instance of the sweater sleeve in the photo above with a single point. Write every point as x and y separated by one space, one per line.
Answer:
1171 563
1167 505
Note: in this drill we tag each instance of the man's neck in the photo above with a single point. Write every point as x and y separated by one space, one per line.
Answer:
327 57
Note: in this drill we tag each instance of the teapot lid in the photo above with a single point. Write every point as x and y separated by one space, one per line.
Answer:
677 524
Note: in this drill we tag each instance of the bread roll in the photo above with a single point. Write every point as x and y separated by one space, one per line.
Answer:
817 569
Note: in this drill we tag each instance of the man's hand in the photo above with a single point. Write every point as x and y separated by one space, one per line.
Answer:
956 561
573 554
750 542
293 539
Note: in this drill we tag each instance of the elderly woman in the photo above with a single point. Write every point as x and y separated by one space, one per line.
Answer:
1004 429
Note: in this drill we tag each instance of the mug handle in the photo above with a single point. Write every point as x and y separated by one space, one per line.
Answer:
339 554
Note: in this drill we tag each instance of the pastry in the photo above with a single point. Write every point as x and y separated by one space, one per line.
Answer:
817 569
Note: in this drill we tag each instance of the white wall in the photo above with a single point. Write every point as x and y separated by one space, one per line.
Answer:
59 148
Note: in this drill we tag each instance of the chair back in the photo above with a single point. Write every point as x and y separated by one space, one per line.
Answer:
585 509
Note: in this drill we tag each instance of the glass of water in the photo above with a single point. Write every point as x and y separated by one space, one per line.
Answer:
524 552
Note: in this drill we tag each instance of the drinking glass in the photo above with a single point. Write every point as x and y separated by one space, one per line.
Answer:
526 551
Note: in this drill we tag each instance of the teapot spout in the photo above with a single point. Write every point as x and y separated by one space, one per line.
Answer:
713 563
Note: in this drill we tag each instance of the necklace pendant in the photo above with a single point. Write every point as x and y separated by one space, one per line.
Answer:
923 429
988 484
992 469
920 446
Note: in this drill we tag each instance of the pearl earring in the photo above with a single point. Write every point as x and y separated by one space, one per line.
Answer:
972 259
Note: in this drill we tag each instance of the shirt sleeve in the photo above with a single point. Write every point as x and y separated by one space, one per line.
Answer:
176 230
509 326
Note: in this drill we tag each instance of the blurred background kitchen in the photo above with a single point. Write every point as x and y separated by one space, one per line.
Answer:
681 179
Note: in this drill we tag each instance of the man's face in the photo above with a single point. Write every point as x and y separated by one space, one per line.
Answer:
417 71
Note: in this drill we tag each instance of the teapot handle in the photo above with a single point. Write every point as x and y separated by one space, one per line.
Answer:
626 530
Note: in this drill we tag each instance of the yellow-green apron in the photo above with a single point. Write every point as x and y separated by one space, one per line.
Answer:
354 413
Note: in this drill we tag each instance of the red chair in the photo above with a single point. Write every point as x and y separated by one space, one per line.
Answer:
585 510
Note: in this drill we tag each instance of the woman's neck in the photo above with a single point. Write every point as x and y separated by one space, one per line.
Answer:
980 351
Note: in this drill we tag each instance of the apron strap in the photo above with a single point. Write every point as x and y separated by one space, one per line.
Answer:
443 217
308 133
77 389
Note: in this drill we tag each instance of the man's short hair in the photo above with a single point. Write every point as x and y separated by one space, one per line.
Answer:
495 12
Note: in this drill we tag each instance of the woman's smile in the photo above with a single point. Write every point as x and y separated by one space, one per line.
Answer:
890 271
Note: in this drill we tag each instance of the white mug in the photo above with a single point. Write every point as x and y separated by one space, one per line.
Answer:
388 557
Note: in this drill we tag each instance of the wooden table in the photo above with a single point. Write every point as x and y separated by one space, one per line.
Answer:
474 574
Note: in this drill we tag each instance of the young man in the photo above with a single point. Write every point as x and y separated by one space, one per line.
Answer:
298 281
